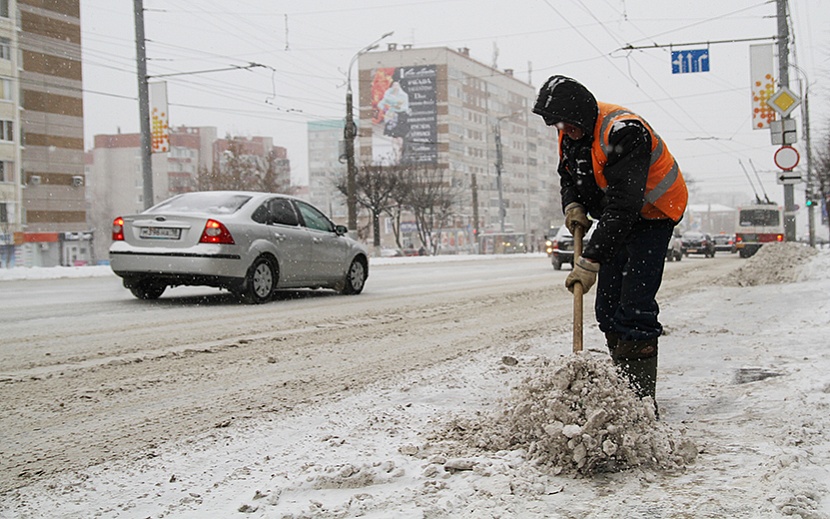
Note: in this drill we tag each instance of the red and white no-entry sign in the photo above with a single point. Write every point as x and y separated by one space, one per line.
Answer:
786 158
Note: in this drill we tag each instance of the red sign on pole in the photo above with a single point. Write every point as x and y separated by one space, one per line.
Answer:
786 158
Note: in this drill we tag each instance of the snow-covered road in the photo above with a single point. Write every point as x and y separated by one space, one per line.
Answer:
329 407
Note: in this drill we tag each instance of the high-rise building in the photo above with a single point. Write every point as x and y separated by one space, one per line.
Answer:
42 209
11 186
440 108
53 213
326 167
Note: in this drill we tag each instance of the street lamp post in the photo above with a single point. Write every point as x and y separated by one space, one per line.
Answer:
500 167
349 134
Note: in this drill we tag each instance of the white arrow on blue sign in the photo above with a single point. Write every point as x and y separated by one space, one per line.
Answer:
687 61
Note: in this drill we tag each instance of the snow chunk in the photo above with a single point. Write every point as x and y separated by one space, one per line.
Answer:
580 418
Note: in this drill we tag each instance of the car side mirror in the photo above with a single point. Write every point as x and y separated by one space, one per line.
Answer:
341 230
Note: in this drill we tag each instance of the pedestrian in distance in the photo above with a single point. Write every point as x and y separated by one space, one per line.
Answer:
615 171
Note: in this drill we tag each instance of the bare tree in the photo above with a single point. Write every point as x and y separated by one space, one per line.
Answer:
375 186
277 175
238 170
232 171
398 205
432 199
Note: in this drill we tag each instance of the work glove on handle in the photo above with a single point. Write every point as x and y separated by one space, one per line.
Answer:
584 272
575 215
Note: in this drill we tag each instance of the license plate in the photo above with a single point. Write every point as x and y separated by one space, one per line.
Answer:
160 233
692 250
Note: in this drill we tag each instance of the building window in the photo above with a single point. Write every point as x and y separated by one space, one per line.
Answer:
6 131
5 90
5 48
6 171
4 8
4 213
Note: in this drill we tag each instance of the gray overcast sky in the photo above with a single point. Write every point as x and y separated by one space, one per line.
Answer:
306 48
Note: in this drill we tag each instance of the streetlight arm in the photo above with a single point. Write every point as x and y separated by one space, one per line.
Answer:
349 134
372 46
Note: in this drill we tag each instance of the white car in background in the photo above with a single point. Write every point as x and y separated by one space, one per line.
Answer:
675 248
247 242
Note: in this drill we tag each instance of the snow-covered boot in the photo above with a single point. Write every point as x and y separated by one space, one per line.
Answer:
611 340
642 373
638 361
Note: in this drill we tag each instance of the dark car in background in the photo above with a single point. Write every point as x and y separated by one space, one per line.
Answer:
560 246
695 242
724 242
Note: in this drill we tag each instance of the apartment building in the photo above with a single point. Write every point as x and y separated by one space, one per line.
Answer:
50 132
440 108
326 167
11 188
116 182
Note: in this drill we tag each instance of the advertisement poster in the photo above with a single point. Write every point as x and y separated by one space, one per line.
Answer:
159 129
404 116
763 84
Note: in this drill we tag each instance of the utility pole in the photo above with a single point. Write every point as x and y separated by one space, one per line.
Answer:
784 81
143 105
349 134
499 168
476 230
811 192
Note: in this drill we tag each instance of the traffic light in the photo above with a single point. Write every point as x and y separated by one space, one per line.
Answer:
809 198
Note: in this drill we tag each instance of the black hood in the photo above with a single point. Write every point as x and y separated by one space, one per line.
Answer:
565 100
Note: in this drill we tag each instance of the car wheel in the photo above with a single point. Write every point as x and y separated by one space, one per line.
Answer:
260 282
557 263
678 257
148 290
355 278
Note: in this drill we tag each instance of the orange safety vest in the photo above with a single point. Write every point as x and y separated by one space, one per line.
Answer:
666 194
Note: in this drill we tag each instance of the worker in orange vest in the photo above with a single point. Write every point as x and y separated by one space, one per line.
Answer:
616 171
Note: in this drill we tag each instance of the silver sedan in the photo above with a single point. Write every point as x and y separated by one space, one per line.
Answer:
246 242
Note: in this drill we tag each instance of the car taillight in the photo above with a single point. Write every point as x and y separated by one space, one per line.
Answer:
118 229
780 237
215 232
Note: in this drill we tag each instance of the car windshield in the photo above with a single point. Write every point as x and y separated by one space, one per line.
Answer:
213 202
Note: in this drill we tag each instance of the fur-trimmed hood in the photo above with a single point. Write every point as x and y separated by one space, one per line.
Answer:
562 99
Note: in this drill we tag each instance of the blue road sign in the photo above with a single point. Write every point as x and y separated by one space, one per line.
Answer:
692 60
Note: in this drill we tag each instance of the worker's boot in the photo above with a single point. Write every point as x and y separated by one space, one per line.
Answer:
611 340
638 361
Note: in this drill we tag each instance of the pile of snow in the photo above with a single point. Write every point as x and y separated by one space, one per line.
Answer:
580 417
774 263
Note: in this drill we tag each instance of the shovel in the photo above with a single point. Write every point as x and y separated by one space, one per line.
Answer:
578 233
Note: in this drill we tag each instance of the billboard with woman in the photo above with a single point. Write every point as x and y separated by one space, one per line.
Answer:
404 116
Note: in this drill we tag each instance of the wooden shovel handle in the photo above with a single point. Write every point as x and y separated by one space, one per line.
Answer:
578 291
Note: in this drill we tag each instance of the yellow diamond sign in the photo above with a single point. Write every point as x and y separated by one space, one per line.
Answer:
784 101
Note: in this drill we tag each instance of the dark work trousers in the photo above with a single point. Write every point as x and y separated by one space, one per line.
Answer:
627 286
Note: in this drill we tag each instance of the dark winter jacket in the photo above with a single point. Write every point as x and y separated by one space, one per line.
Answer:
629 157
